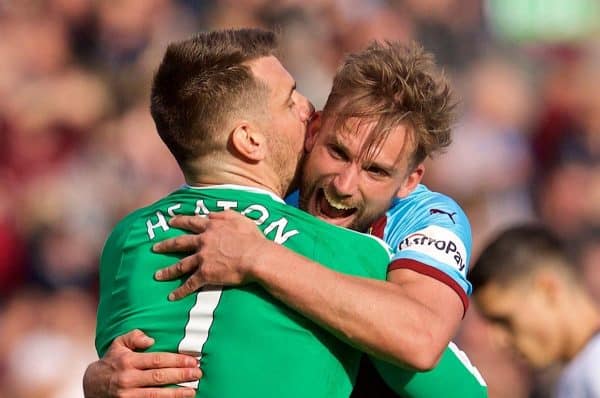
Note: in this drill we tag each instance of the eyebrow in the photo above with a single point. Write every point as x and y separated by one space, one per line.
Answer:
502 319
385 167
390 168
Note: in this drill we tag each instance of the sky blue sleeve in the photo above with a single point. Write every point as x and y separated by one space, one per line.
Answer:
431 234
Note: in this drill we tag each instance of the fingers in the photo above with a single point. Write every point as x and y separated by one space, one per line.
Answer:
224 215
194 224
157 393
193 283
158 360
182 267
134 379
134 340
182 243
229 216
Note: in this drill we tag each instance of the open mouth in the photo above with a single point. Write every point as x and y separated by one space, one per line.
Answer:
331 208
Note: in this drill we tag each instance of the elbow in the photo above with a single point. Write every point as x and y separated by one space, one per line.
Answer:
421 355
426 360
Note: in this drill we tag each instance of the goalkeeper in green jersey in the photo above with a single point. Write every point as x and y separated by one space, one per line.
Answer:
233 128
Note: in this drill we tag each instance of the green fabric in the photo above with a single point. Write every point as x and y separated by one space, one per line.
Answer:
250 344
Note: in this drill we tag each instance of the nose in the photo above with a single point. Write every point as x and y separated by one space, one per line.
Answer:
345 181
306 109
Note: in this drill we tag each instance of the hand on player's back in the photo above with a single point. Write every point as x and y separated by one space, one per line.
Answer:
124 373
227 246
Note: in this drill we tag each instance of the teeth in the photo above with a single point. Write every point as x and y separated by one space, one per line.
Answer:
334 204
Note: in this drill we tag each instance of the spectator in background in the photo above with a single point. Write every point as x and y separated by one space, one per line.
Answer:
45 343
566 146
76 73
490 145
527 287
588 252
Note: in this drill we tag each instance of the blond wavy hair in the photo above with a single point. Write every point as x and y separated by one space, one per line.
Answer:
390 84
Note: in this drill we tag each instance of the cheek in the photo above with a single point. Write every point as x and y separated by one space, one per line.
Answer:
528 336
290 127
310 170
377 198
374 205
535 349
319 163
537 338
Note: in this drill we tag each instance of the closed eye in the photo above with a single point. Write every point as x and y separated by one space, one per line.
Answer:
502 322
377 171
337 153
291 103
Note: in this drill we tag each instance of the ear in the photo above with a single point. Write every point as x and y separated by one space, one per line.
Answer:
248 142
411 181
314 126
549 284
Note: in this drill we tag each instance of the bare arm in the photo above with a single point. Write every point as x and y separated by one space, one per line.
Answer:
123 373
407 320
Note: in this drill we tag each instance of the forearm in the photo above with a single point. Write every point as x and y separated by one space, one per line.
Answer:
407 320
375 316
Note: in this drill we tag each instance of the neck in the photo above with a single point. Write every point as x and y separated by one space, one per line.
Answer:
217 173
584 323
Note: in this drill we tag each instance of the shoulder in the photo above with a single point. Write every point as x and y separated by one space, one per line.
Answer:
430 234
426 210
130 221
581 375
435 207
587 360
147 219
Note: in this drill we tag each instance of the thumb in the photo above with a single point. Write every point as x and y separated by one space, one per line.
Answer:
134 340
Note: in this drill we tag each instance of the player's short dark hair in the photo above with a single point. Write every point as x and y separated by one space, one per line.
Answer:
518 252
201 82
390 84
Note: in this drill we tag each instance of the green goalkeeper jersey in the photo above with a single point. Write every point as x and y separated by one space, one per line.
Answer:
250 344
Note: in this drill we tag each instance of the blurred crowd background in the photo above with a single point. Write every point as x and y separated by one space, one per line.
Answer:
78 148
